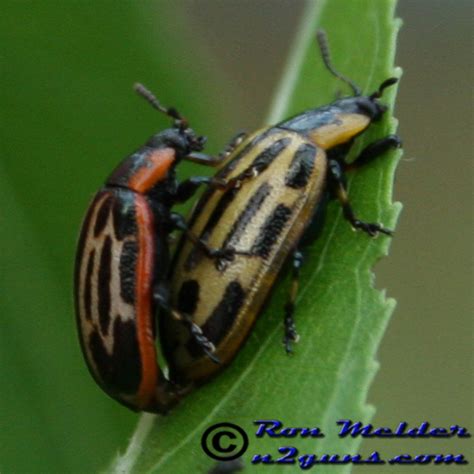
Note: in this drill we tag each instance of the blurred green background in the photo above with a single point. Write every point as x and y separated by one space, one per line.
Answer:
68 116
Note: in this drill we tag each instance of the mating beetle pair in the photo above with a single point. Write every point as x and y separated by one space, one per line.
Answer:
262 203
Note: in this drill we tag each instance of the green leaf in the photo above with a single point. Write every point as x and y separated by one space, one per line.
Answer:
340 316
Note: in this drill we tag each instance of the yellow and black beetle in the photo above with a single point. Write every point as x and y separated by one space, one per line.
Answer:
296 165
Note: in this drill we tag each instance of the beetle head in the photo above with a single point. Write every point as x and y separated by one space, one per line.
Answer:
181 136
195 142
371 105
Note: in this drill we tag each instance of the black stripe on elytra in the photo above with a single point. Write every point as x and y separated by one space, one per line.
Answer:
88 285
301 166
264 159
222 317
196 254
120 372
243 220
270 231
102 215
260 163
218 211
227 170
103 286
127 271
125 222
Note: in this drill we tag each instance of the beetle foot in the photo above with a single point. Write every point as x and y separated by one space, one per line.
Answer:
372 229
237 181
203 342
226 253
290 335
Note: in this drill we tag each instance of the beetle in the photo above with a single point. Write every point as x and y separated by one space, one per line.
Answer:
122 263
296 166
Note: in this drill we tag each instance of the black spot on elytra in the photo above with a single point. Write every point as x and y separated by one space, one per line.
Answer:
301 167
271 231
127 270
120 372
188 297
103 289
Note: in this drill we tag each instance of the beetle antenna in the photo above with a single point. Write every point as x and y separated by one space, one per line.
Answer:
141 90
324 48
387 83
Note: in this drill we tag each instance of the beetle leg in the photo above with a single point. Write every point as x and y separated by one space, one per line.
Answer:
209 160
196 332
338 186
374 150
223 183
161 298
289 308
227 253
188 187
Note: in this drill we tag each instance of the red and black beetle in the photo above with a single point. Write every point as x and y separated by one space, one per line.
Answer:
122 264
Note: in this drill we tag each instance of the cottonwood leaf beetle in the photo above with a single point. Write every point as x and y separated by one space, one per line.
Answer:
297 165
122 264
